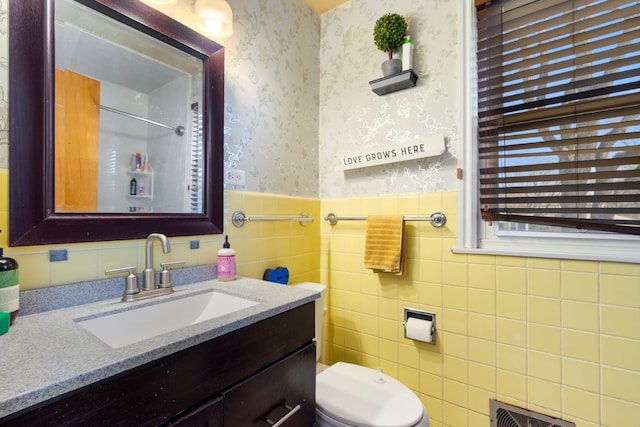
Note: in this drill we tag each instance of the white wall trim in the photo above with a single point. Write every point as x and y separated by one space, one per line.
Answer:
468 186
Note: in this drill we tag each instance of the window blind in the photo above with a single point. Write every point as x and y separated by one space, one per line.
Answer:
559 112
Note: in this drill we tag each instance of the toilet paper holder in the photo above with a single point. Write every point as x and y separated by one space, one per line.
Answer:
422 315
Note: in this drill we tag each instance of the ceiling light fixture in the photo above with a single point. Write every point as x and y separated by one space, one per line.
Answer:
214 17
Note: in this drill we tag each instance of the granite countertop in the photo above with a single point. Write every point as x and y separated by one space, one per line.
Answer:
48 354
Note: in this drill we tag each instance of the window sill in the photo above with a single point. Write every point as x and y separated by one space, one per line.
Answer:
587 250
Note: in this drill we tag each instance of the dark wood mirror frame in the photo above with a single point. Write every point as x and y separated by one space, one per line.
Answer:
32 218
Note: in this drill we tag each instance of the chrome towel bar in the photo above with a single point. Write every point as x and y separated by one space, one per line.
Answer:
239 218
437 219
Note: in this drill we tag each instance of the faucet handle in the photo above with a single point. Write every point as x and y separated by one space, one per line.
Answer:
131 281
165 274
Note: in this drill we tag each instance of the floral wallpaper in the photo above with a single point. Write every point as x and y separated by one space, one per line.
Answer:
272 70
353 117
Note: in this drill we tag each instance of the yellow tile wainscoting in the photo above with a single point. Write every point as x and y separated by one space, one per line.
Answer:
557 336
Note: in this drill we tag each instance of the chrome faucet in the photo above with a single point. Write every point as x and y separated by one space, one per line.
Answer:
149 274
149 289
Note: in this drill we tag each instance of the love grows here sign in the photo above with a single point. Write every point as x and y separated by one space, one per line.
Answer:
432 145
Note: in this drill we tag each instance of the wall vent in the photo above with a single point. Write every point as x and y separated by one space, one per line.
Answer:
505 415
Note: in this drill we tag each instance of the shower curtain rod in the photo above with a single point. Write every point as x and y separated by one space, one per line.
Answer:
179 130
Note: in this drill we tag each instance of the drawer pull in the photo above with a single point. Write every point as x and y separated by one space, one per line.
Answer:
286 416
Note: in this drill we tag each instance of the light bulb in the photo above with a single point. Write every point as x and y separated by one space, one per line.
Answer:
215 17
213 26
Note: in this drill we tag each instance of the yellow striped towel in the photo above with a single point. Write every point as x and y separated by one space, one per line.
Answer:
383 250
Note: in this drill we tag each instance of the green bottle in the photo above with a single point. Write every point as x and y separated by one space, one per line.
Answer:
9 286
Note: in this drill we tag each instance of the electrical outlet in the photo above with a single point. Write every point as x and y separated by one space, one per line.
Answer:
234 177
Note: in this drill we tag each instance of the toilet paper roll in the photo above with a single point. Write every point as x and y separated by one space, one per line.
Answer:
418 329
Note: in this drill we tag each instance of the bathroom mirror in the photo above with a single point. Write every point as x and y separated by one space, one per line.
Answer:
116 123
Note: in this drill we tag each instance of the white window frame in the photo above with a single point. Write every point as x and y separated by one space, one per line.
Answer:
475 236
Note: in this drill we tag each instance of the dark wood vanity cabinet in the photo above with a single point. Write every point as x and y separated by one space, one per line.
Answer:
277 393
244 378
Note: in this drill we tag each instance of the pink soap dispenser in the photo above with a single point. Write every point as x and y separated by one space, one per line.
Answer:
226 262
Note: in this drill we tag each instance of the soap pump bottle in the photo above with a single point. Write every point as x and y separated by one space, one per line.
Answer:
9 287
226 262
407 54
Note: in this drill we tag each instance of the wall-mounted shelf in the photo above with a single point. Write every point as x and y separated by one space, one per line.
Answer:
394 82
142 177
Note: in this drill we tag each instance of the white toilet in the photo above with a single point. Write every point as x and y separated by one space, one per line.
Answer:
349 395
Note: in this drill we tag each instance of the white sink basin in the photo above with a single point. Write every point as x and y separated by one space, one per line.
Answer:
127 327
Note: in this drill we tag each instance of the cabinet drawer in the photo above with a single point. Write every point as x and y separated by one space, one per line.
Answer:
208 414
275 393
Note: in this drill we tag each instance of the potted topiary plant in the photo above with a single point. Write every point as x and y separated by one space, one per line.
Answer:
388 34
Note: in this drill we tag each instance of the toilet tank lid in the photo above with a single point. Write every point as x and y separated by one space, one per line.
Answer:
317 287
356 395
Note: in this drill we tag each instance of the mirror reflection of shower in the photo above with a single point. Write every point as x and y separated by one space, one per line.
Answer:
141 92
